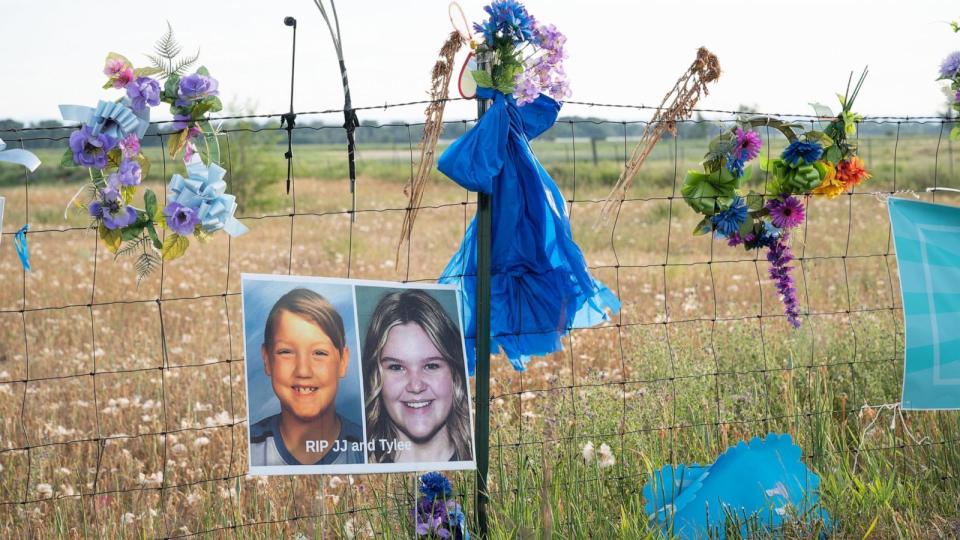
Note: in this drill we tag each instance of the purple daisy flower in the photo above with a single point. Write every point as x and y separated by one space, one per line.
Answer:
90 150
950 66
143 92
181 219
111 210
786 213
748 145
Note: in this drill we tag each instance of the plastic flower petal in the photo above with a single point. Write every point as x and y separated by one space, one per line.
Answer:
729 221
111 210
143 92
831 186
808 151
852 172
89 148
786 213
435 485
950 66
181 219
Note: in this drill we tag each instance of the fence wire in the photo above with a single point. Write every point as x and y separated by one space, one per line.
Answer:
123 407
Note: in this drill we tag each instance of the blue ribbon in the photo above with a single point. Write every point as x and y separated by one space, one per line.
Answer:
20 243
20 157
205 191
115 119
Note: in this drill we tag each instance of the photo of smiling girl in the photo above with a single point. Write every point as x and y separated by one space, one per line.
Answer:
305 353
417 400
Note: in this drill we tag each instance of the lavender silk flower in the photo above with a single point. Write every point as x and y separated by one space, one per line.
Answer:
181 219
194 87
950 66
90 150
111 210
143 92
128 174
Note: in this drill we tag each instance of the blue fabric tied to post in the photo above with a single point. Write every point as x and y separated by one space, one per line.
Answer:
540 283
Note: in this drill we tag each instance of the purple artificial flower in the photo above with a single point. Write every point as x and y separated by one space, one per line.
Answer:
780 256
128 174
90 150
143 92
957 97
431 519
748 145
130 145
111 209
950 66
181 219
786 213
194 87
545 74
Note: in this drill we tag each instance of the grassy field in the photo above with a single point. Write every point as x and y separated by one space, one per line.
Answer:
137 433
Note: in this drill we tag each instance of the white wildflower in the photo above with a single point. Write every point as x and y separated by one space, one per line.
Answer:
587 452
606 458
179 448
129 518
201 441
45 491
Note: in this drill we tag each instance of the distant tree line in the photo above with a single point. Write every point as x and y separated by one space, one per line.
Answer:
372 132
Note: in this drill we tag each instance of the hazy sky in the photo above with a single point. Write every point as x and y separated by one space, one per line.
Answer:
775 55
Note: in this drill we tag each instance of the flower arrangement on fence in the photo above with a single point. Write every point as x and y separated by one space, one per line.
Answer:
108 145
436 514
814 162
950 72
527 55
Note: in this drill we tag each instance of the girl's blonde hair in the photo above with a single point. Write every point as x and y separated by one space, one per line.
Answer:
416 306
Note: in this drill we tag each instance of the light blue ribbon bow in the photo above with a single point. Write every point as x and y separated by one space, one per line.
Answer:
20 157
20 243
204 190
115 119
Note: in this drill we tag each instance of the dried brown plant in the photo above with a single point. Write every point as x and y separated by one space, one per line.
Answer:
677 105
432 128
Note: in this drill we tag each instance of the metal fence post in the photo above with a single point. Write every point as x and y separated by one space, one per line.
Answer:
482 434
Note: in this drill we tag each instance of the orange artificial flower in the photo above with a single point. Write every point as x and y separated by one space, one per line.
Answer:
852 172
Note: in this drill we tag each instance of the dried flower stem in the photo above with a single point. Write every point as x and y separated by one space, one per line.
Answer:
432 128
682 98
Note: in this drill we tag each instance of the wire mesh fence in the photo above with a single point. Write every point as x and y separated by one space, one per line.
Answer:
123 408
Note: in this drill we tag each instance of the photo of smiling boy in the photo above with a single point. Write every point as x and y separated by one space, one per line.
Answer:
417 401
304 352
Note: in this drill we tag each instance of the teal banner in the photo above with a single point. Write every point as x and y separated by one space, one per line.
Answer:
927 239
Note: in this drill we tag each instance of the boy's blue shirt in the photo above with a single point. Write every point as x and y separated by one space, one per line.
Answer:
267 446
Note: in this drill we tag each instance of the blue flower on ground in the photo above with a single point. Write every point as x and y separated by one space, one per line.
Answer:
808 151
434 485
729 221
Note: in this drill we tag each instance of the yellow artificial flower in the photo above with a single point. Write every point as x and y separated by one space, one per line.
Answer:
831 186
